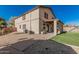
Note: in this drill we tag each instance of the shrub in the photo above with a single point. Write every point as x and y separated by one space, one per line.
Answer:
7 30
14 29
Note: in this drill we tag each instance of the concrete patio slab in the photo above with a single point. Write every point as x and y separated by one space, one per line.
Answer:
33 44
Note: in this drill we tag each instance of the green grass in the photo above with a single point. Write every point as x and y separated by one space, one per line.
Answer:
68 38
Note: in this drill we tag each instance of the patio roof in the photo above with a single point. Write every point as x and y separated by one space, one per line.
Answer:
53 20
49 20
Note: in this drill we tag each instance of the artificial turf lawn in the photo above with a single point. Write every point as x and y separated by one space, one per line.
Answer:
71 38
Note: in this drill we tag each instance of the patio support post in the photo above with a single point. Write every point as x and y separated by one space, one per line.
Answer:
55 27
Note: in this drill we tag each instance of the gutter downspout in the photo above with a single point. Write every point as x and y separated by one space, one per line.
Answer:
30 24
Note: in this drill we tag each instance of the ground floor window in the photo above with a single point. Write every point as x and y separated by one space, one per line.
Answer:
24 26
20 26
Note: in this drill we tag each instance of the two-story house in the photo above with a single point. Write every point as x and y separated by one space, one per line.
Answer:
39 20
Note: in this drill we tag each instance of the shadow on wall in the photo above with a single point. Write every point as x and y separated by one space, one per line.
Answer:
32 46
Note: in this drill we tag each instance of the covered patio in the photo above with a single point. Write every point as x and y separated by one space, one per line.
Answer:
51 26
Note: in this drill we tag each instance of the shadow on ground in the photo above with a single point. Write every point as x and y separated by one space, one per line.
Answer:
32 46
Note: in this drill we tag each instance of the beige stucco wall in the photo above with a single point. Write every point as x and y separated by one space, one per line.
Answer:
68 28
31 21
75 30
71 29
41 13
34 21
48 11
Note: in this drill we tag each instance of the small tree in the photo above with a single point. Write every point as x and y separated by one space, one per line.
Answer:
2 23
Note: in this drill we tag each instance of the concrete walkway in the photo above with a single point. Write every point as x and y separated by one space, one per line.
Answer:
76 48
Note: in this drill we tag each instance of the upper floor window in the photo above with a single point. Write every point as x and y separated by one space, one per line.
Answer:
45 15
23 17
53 18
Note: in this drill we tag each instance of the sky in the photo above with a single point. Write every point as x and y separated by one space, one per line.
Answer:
68 14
